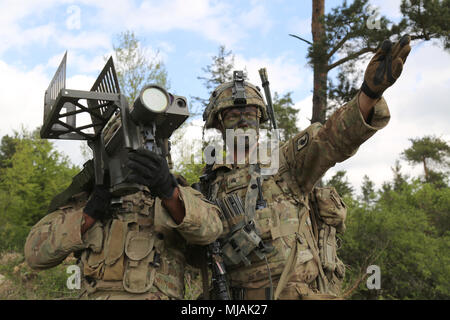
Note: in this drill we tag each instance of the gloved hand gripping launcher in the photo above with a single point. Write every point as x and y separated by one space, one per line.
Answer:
103 117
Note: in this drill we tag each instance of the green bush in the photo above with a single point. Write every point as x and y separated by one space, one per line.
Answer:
399 235
23 283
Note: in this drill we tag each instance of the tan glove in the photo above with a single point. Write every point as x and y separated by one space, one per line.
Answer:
385 67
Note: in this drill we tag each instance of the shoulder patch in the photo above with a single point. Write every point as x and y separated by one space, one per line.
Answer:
302 141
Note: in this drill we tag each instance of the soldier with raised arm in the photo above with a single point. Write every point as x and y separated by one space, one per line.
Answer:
279 238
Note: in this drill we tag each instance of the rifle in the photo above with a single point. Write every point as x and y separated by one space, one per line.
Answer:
114 127
219 278
214 254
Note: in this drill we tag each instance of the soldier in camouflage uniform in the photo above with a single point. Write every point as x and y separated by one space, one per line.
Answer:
133 248
292 252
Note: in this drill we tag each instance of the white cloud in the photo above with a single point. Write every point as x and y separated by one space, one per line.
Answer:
81 62
80 82
418 103
13 13
22 95
305 114
254 18
284 72
221 22
22 102
186 141
84 63
300 27
83 40
389 8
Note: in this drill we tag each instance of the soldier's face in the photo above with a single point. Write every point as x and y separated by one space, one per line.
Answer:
243 121
241 117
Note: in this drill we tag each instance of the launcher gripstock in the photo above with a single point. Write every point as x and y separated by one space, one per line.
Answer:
110 126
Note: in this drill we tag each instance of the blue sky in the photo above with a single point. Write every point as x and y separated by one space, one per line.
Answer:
186 41
35 35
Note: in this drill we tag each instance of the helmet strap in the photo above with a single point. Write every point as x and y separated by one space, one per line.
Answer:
221 124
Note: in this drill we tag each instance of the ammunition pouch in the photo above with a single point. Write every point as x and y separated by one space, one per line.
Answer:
238 246
139 272
128 254
330 213
331 208
243 238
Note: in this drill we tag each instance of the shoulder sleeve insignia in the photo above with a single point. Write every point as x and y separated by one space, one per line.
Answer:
302 141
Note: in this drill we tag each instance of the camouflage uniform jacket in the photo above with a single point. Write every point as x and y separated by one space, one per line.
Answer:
138 254
286 221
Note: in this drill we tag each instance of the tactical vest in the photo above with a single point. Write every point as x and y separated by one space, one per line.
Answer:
287 222
131 253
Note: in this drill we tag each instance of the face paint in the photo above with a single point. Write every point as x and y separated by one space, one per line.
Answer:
243 117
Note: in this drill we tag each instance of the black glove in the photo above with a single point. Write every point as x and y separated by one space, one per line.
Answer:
151 170
385 67
98 205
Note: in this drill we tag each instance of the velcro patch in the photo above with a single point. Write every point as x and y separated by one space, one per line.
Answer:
302 141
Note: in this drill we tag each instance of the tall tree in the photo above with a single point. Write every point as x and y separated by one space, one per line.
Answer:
285 115
399 180
320 61
427 20
397 235
219 71
340 182
431 152
136 67
7 149
367 190
35 173
344 37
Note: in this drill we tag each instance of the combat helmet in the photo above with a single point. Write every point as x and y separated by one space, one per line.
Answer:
236 93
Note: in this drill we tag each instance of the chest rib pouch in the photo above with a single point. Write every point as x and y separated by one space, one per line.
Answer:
243 241
243 238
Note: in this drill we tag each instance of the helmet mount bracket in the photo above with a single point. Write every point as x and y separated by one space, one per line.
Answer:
238 90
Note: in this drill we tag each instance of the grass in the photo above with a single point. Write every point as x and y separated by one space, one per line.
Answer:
192 283
20 282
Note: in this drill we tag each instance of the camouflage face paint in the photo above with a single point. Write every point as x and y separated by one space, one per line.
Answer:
243 122
241 117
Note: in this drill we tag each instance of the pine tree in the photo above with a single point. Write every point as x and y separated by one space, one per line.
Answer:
340 182
367 190
431 152
32 177
135 68
219 71
285 115
7 149
344 39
